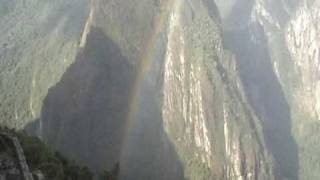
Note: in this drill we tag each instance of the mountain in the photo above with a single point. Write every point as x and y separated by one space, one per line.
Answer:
169 89
277 52
39 40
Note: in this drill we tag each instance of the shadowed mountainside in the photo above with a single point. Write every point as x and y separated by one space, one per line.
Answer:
265 94
84 115
149 153
267 98
211 130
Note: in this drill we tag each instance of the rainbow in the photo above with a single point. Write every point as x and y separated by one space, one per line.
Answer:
143 67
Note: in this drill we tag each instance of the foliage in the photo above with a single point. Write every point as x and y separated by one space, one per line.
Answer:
38 41
52 164
110 175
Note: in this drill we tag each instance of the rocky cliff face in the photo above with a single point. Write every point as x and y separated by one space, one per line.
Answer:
279 64
204 110
170 89
301 35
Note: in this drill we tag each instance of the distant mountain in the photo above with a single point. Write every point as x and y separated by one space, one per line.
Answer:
170 89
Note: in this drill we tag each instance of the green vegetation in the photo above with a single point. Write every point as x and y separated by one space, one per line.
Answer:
53 164
110 175
39 40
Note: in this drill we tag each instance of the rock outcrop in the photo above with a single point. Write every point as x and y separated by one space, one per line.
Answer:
170 89
279 63
204 110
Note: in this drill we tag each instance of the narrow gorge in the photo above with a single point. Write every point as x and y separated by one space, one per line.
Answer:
167 89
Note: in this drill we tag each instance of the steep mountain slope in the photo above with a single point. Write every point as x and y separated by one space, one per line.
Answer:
204 110
85 113
277 49
301 35
194 87
39 40
170 89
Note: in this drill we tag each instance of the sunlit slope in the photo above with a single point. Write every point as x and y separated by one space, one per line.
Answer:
146 83
205 111
39 40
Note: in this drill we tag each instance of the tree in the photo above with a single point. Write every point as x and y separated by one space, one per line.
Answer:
111 175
